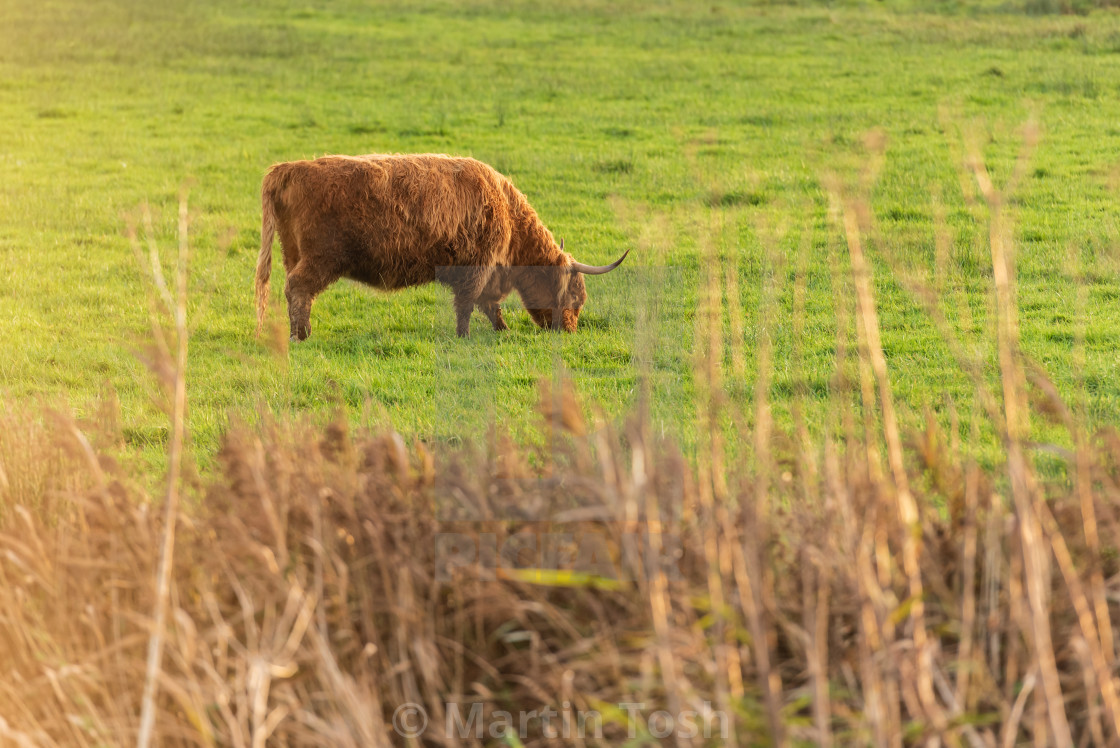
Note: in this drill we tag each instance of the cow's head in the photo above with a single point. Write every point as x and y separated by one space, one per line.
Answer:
554 295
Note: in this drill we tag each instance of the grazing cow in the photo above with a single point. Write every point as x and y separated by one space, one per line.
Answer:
405 220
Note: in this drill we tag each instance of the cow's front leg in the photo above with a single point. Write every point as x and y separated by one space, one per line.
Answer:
493 312
468 284
464 305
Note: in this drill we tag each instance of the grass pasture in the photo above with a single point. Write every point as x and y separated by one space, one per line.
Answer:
684 132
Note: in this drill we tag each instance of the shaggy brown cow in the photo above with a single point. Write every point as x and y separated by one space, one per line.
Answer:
405 220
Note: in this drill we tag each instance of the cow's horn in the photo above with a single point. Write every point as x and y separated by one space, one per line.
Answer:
579 267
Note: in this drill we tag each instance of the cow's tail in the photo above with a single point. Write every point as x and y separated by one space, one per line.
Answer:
264 260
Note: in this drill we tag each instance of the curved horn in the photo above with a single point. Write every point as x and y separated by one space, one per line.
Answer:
579 267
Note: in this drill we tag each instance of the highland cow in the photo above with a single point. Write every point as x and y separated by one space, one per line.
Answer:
405 220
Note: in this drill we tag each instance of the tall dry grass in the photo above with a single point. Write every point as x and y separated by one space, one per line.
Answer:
878 587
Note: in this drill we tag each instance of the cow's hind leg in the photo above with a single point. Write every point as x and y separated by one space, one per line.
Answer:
302 286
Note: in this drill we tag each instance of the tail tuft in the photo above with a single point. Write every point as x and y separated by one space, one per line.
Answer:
264 260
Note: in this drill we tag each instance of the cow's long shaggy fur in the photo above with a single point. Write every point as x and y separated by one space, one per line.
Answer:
393 221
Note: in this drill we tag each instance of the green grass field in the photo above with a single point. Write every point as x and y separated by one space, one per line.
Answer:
682 130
